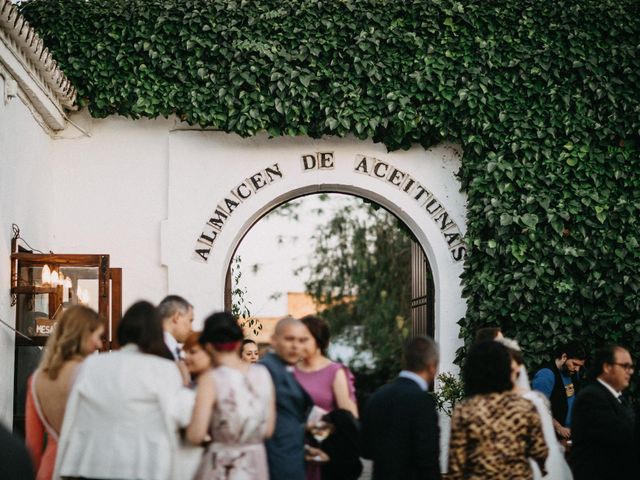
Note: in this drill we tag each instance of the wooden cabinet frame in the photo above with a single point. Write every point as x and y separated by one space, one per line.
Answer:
106 276
109 306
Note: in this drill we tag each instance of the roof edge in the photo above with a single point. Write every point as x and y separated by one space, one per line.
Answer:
39 58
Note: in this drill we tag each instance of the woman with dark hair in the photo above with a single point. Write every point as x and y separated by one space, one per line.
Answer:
125 408
488 333
329 383
330 386
143 328
249 351
494 431
235 403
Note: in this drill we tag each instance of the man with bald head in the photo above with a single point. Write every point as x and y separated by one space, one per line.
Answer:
285 449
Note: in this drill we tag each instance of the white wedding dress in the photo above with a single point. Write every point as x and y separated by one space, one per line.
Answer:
555 465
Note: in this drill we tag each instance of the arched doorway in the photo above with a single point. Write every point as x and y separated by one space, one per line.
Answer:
419 288
220 185
356 265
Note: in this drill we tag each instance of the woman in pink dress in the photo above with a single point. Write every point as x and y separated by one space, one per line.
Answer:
77 334
329 384
235 404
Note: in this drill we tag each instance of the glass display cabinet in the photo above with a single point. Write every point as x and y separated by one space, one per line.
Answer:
45 285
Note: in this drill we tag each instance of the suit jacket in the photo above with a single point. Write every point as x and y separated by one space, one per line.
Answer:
122 418
342 446
400 432
285 449
603 436
15 463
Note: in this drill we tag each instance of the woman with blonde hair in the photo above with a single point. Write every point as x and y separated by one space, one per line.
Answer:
125 408
77 334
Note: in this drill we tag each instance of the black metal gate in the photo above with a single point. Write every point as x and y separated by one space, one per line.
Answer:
422 293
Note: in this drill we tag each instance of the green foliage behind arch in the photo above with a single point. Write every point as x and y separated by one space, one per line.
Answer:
543 97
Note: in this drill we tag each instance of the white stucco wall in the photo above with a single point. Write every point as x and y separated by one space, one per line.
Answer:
111 196
26 199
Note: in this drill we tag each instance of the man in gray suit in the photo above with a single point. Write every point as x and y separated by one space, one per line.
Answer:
285 449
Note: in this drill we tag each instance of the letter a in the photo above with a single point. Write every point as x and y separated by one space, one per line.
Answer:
362 166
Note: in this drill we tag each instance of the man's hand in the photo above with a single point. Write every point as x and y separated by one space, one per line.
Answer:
312 454
562 432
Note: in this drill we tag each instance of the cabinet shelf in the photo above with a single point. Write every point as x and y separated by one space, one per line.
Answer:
33 290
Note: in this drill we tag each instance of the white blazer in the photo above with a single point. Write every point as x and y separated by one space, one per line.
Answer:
122 418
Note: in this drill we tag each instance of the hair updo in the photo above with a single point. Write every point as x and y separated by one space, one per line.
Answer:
221 328
319 329
487 369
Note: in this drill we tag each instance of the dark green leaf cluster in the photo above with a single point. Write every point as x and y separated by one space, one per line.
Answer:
543 96
450 392
360 274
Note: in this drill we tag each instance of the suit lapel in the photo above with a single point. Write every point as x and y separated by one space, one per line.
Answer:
298 394
620 408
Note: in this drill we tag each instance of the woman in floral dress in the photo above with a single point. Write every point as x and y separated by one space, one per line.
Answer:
235 404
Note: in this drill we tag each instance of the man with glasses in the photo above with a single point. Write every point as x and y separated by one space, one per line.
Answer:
559 381
603 421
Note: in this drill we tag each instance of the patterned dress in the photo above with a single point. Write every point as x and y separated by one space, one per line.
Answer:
238 426
493 436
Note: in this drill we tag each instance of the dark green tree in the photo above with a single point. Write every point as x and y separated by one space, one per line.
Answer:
360 277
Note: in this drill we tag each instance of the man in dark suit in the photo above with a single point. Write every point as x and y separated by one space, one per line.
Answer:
15 462
400 426
603 422
285 449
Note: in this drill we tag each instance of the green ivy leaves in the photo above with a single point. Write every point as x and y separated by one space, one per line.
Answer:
543 96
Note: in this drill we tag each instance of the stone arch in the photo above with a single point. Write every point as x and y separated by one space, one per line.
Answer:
316 189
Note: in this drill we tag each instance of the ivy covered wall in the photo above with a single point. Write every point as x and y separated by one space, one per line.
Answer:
544 97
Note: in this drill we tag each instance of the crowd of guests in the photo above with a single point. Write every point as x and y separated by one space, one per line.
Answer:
172 403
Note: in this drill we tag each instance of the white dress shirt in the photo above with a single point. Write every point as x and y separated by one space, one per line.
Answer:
422 383
173 345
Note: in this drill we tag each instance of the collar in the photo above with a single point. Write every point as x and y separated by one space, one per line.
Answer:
422 383
610 388
285 365
172 344
130 347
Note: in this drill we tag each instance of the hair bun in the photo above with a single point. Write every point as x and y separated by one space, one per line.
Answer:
221 327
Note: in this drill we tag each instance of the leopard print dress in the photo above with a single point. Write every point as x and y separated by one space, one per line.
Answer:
493 436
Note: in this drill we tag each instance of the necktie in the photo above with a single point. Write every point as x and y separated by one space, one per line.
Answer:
177 353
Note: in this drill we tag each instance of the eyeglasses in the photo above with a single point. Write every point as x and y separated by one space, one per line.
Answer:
626 366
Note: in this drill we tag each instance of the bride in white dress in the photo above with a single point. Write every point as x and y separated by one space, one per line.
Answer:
556 466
